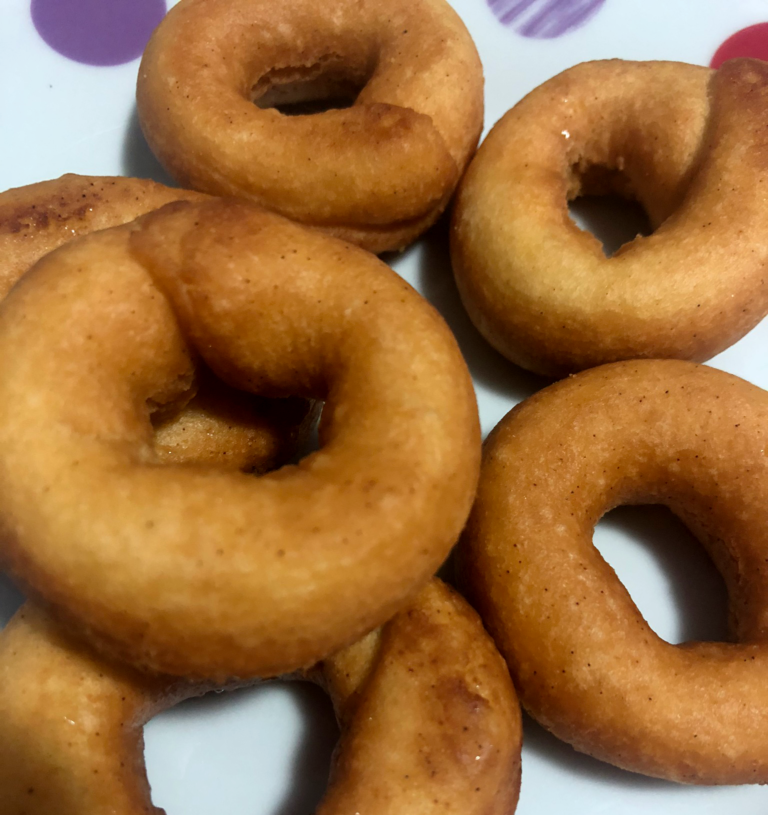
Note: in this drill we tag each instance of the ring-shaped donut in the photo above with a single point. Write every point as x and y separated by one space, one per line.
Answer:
377 173
583 659
216 574
691 145
428 714
211 423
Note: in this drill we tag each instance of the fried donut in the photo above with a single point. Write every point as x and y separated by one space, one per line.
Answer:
213 425
691 145
376 173
584 661
38 218
235 576
429 717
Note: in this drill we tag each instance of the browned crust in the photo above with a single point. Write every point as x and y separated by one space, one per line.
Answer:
38 218
291 565
585 662
692 147
377 173
219 425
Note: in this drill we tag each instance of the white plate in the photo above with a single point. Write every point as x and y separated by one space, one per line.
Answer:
267 750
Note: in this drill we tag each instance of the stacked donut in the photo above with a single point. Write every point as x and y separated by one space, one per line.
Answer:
169 349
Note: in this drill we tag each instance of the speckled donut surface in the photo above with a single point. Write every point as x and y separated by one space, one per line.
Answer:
585 662
237 576
428 714
691 145
377 173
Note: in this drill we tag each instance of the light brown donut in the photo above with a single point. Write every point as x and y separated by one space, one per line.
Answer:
236 576
691 145
430 720
584 661
377 173
38 218
212 426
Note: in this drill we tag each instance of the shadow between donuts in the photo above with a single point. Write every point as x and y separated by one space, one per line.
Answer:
137 160
611 218
434 279
11 599
305 752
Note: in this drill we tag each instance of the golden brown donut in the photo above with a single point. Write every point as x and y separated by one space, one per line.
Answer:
38 218
430 720
691 145
237 576
377 173
218 424
584 661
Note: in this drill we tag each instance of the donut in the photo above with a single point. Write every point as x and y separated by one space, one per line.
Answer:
106 703
214 425
238 576
38 218
690 145
377 172
584 661
429 719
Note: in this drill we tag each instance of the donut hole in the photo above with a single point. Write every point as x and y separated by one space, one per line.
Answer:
265 749
666 571
602 201
326 85
214 424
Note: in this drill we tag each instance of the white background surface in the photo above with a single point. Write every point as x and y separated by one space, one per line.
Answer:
265 751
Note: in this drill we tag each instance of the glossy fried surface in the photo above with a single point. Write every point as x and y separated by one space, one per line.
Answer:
430 721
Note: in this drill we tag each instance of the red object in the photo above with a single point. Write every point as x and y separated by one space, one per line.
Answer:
749 42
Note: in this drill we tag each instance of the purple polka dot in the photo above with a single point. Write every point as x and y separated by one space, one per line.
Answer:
97 32
544 19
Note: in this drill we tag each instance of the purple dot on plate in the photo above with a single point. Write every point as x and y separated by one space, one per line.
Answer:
544 19
97 32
